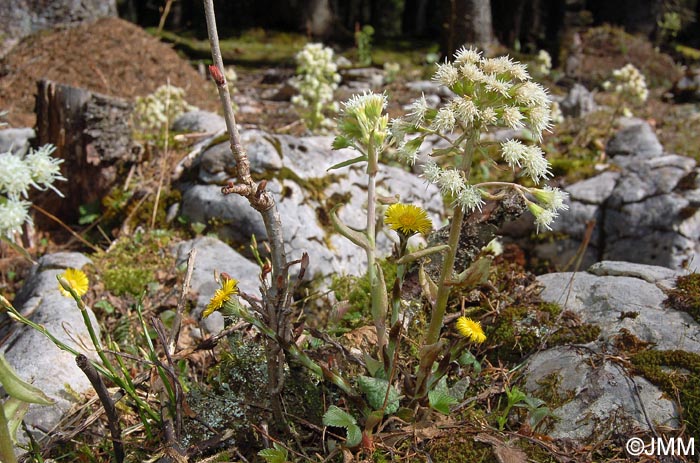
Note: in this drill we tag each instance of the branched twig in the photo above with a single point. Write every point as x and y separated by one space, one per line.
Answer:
110 410
275 296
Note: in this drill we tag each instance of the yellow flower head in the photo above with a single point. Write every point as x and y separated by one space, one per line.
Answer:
470 329
229 287
408 219
77 280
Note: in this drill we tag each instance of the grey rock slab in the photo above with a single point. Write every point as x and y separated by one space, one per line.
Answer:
578 102
665 248
637 139
199 121
429 87
16 140
217 164
594 190
649 273
35 358
603 396
213 255
602 299
635 219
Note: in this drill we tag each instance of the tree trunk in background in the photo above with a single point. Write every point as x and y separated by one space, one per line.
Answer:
636 16
386 17
466 22
92 135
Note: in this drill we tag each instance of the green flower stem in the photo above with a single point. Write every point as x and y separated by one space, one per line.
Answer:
378 312
444 288
7 452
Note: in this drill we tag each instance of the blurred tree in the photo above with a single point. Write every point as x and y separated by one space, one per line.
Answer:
466 22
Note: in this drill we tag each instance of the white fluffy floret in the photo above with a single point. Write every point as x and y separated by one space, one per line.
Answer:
451 182
45 168
469 198
444 120
431 172
447 74
467 56
535 165
513 152
417 110
13 214
16 175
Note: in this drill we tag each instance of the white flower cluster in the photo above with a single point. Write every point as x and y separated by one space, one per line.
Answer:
316 80
153 111
36 169
543 64
630 83
489 92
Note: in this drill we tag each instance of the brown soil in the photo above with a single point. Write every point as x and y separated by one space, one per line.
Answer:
109 56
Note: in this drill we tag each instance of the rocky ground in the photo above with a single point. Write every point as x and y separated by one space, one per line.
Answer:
587 357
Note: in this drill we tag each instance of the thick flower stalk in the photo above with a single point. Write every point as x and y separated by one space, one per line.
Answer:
363 127
316 80
488 92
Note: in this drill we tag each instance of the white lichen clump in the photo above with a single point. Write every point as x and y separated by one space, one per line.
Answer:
153 112
489 92
37 169
316 80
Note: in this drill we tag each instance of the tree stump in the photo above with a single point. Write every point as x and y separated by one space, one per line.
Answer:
92 135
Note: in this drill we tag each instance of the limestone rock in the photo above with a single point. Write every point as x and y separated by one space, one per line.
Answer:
636 139
16 140
199 121
35 357
599 395
213 256
578 102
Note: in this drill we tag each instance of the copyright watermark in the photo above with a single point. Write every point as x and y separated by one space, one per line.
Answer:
673 446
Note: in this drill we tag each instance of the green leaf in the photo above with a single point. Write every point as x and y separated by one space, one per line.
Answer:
336 416
349 162
358 238
441 401
15 410
354 436
376 390
537 415
339 418
459 389
408 258
19 389
468 359
278 454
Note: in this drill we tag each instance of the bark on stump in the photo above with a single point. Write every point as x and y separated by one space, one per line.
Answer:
91 133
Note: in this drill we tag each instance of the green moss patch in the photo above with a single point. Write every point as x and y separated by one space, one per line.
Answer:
686 295
677 373
133 262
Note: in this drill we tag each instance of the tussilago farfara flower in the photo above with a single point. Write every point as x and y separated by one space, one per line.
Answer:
470 329
229 287
13 214
77 280
408 219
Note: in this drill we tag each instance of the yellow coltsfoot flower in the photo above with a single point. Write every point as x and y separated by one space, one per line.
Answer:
77 280
408 219
229 287
470 329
